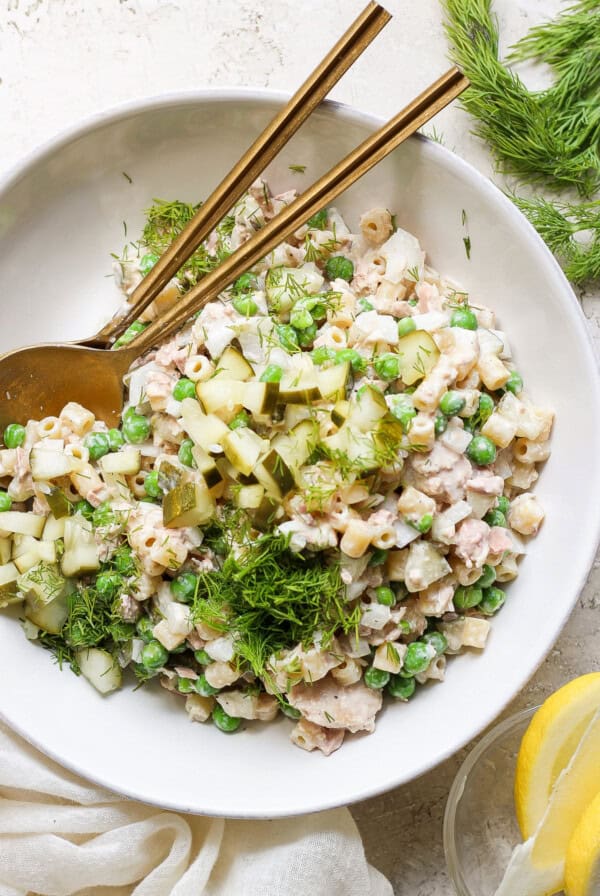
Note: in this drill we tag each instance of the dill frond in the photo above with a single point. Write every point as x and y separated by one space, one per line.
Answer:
572 233
270 598
547 137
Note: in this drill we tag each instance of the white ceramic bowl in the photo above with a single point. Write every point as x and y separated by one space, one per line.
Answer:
62 213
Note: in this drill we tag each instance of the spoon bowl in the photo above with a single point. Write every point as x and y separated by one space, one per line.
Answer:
40 380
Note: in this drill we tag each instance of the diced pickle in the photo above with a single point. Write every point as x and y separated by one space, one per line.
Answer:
49 617
188 504
58 502
418 355
243 448
233 366
301 395
275 465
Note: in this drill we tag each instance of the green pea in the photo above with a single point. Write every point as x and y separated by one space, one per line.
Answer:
365 305
136 428
406 326
385 596
14 435
185 685
108 584
404 627
495 518
463 317
481 451
184 388
130 333
287 337
151 485
357 362
485 407
240 421
115 439
84 508
103 515
202 657
245 283
378 557
416 659
147 262
204 688
514 383
387 366
322 354
154 655
318 221
452 403
402 408
301 318
271 374
503 504
5 501
376 679
184 586
97 443
437 640
493 599
487 577
425 523
123 561
145 628
467 597
290 711
413 302
307 336
224 722
440 424
185 453
400 687
338 267
319 311
245 305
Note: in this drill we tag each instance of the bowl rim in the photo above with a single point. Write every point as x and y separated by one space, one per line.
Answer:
458 787
155 102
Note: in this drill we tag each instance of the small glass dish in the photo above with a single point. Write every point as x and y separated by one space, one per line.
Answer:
480 826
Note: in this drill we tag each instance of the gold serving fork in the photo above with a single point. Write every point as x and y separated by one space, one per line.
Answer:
39 380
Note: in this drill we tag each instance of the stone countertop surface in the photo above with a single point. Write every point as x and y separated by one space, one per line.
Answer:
61 60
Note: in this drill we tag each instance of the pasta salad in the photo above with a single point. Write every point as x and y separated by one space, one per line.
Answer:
318 492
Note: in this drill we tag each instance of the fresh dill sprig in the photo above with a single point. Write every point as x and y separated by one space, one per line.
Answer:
270 599
548 137
571 231
165 221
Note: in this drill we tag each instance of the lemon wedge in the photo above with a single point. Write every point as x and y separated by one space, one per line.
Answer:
537 867
548 745
582 865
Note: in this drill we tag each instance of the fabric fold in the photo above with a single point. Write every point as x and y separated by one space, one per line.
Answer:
60 836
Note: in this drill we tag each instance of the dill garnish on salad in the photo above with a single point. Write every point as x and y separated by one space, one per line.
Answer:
318 492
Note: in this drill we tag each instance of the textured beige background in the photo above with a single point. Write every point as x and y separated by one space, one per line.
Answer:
63 59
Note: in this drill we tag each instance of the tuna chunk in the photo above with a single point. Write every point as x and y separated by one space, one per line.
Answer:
472 542
441 473
331 705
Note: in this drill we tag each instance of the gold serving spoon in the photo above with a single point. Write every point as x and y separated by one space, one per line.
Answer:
38 381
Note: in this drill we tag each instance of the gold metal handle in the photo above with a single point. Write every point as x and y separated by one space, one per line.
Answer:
325 190
254 161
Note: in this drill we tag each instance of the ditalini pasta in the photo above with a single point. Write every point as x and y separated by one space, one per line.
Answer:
317 492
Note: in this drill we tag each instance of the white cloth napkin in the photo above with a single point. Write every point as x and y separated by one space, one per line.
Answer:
61 836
